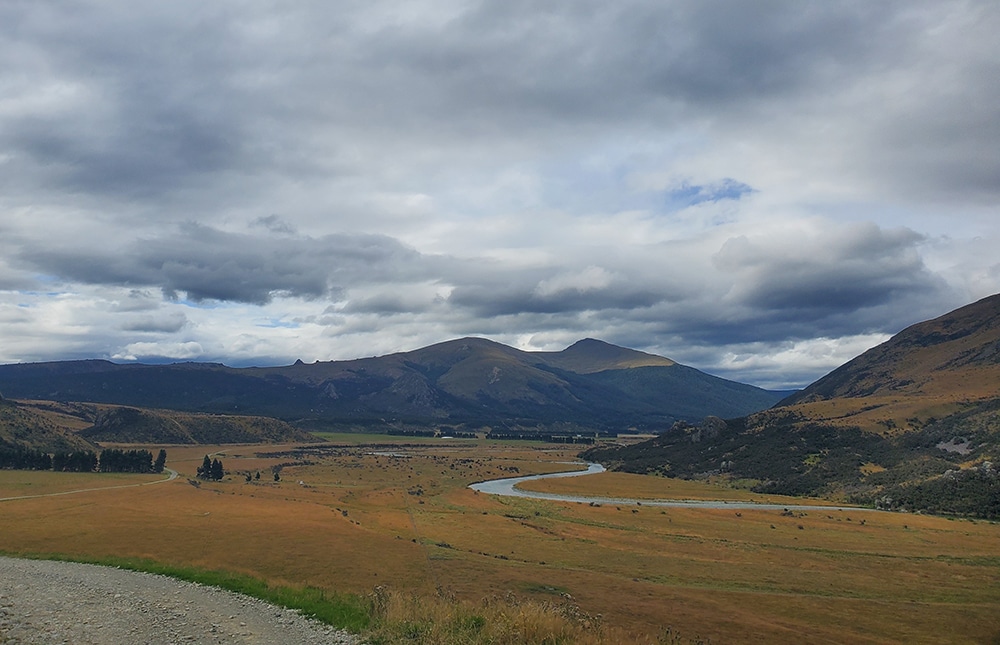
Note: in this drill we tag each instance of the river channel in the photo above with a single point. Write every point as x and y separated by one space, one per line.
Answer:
509 487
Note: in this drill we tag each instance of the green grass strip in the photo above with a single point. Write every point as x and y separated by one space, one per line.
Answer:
346 611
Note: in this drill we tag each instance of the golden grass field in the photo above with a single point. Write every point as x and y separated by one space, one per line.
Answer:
409 523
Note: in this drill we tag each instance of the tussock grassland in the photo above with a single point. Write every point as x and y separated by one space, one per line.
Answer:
454 566
15 483
643 487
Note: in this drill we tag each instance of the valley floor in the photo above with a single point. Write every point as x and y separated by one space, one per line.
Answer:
350 517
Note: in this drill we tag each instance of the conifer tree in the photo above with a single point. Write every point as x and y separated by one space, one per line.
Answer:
161 460
217 471
205 470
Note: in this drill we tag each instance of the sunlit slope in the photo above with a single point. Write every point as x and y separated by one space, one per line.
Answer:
928 371
913 423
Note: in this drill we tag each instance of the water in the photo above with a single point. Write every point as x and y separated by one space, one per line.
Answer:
508 487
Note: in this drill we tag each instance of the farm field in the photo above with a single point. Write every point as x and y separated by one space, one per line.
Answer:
348 517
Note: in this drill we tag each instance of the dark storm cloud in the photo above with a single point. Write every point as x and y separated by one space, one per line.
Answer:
126 102
205 103
840 271
598 61
167 323
503 300
204 263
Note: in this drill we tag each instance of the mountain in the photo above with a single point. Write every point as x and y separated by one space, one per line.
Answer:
472 382
955 356
913 423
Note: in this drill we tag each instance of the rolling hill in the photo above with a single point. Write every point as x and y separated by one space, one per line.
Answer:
470 382
65 427
913 423
25 426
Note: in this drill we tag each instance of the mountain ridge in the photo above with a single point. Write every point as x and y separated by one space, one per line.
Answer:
966 338
467 381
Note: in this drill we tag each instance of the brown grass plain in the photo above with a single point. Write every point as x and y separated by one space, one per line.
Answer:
348 519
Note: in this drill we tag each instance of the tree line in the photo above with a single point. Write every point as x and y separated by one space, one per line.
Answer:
131 461
110 460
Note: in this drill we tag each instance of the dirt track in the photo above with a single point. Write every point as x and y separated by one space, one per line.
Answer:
65 602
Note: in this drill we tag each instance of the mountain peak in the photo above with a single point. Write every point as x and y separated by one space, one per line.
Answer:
591 355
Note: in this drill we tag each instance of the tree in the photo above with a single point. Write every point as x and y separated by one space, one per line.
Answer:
205 470
277 477
113 460
161 460
83 461
217 471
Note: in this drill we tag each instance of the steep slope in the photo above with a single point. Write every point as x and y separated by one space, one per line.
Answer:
472 381
957 351
913 423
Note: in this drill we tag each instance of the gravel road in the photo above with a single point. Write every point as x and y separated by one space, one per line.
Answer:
51 602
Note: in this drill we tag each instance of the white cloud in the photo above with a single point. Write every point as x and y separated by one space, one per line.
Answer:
143 350
591 278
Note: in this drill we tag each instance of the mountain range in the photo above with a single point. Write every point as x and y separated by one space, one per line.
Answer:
469 383
913 423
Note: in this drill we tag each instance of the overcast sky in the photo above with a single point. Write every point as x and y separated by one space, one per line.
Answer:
761 190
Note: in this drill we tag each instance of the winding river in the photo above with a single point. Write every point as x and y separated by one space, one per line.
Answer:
508 487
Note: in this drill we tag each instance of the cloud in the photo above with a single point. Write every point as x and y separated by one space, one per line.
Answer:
703 180
591 279
205 263
274 223
169 323
848 269
154 351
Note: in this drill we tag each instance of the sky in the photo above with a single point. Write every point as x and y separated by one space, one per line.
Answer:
759 190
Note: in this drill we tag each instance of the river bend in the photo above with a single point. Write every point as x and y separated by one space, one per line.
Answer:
509 487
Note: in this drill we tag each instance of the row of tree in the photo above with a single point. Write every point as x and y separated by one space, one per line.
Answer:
113 460
17 458
83 461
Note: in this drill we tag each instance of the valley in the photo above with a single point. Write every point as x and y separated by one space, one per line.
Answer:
346 516
860 509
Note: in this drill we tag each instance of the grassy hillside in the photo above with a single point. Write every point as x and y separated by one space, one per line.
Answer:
53 427
132 425
28 427
911 424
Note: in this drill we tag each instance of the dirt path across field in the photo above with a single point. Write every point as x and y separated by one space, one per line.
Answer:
44 601
171 475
